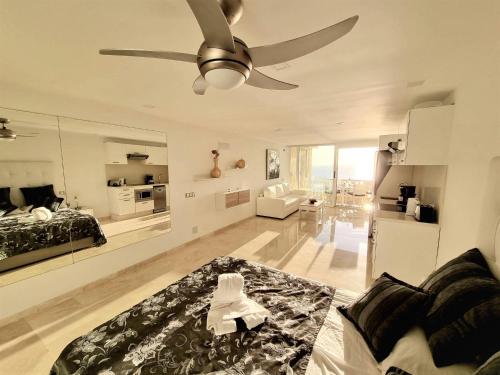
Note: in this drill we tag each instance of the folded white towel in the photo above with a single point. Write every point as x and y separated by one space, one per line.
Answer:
42 213
230 302
229 288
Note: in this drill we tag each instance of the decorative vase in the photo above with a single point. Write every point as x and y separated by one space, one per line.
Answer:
215 172
240 164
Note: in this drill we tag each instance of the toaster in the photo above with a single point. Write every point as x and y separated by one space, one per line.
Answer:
426 213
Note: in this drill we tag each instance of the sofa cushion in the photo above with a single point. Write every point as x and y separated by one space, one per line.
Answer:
286 187
290 200
270 191
279 190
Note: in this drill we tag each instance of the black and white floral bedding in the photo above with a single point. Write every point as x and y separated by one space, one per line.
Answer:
166 333
21 234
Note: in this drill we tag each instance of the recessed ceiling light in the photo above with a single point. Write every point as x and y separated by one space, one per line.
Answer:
150 106
339 123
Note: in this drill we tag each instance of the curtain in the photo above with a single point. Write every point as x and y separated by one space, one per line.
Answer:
301 167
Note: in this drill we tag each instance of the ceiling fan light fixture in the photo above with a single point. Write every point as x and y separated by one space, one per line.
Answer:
6 135
225 79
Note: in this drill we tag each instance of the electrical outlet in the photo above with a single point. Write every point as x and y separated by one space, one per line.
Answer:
195 229
189 195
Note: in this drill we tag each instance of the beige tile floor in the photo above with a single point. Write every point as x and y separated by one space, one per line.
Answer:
334 253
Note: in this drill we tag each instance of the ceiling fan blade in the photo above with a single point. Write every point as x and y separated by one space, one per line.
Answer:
200 85
291 49
213 24
257 79
186 57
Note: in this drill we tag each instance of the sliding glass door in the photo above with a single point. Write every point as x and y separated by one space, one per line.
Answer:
339 176
312 168
356 168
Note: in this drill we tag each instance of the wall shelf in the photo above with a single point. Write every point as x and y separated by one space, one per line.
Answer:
226 173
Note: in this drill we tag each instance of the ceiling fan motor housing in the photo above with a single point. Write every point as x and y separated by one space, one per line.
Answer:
216 58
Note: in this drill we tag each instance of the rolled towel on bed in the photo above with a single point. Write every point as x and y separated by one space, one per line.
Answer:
42 213
229 302
229 288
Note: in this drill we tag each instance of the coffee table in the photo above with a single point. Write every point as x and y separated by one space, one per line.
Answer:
317 208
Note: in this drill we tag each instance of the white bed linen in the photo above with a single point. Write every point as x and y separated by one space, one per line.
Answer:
339 349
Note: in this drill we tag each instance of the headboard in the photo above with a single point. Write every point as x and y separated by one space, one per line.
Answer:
495 263
17 174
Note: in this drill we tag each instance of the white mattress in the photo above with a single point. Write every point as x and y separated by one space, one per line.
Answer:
339 348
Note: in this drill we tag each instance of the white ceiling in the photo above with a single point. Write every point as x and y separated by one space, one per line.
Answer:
356 88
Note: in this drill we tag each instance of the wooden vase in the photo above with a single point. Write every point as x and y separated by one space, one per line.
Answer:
215 172
240 164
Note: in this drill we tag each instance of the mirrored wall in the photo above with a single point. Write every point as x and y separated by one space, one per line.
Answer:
71 189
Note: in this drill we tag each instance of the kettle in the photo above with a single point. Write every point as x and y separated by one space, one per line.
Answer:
411 206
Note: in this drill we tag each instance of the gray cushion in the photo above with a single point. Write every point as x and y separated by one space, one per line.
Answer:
491 367
386 311
463 324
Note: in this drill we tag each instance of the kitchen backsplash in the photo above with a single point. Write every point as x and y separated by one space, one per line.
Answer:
135 171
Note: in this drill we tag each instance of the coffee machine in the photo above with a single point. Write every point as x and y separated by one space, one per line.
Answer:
405 192
149 179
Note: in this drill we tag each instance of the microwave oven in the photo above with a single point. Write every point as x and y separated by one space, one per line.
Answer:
142 195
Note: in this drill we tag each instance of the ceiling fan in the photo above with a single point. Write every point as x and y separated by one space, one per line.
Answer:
8 134
226 62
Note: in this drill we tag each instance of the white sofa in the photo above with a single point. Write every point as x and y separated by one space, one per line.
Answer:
279 201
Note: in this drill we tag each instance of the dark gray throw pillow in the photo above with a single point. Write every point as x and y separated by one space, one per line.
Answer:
385 312
6 205
491 367
463 324
38 196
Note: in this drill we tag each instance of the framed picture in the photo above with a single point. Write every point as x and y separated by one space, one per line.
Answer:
272 164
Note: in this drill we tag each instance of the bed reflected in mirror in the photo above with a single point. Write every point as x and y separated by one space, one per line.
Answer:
73 189
119 176
34 236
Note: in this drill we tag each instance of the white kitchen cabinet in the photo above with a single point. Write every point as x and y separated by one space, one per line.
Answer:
115 153
121 201
135 149
428 135
144 206
157 155
405 249
398 158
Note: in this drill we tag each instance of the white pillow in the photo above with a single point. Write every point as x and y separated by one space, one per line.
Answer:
279 191
20 211
270 192
286 187
413 354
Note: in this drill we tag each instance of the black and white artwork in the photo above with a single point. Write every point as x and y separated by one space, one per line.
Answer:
272 164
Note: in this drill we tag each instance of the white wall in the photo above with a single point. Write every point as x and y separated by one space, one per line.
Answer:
397 175
134 172
84 171
42 145
475 142
189 155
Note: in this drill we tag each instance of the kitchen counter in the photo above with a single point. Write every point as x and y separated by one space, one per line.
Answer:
140 186
381 214
397 216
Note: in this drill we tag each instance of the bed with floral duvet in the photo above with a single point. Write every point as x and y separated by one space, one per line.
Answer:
166 333
23 239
